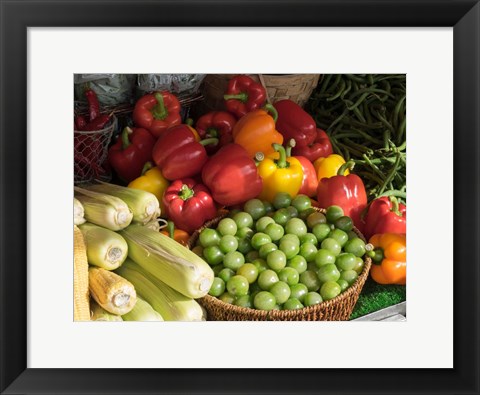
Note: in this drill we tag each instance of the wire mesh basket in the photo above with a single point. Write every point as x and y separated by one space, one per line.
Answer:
90 153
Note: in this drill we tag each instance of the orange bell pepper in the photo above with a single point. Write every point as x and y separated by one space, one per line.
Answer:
256 131
180 236
389 258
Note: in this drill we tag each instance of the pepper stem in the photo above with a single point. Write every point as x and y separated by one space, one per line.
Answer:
171 229
211 132
125 137
348 165
282 160
185 192
395 205
189 122
272 110
259 156
159 111
243 97
208 141
290 145
146 167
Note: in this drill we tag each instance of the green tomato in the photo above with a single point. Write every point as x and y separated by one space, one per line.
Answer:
262 223
333 213
292 304
259 239
308 251
299 263
343 284
356 246
226 274
251 256
292 211
249 271
289 275
209 237
346 261
303 215
217 288
310 279
245 233
309 238
237 285
275 231
228 243
359 265
312 266
233 211
281 200
198 250
339 235
321 231
227 298
301 203
217 269
276 260
316 218
268 207
243 301
331 245
255 208
233 260
281 291
267 249
296 226
298 291
351 235
312 298
330 290
264 301
244 245
291 237
281 216
266 279
324 257
243 220
344 223
260 264
289 248
213 255
227 226
328 272
349 276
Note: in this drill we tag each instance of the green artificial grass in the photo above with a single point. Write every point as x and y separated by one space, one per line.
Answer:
375 297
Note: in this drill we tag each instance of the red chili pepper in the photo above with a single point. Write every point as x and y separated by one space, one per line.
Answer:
80 122
348 192
93 105
244 95
295 123
321 147
157 112
188 204
130 152
178 154
385 215
310 181
218 124
231 174
98 123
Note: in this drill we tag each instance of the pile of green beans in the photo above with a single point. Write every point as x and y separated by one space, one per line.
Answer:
365 118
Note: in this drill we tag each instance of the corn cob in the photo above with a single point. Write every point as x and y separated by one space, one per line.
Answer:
112 292
81 308
78 212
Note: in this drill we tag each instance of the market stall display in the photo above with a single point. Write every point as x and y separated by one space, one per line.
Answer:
266 207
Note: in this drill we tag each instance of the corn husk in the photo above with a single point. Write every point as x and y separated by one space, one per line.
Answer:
99 314
142 311
78 212
104 210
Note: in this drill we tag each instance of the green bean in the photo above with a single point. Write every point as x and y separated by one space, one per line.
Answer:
350 149
339 92
391 174
353 77
347 89
374 167
397 109
401 130
325 82
335 83
359 115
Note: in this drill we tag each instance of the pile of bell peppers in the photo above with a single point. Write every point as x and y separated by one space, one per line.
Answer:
248 149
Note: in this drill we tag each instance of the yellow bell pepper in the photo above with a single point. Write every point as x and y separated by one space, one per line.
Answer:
153 181
328 167
280 173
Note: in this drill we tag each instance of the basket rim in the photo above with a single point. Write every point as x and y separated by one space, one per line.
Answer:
112 125
351 290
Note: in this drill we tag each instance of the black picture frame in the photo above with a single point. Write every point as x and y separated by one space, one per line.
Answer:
18 15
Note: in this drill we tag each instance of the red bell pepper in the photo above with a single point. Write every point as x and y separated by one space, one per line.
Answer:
385 215
157 112
99 122
231 174
310 181
80 122
130 152
348 192
295 123
321 147
217 124
244 95
178 154
188 204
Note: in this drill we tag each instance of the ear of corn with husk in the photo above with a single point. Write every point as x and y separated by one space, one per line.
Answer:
105 248
143 205
112 292
78 212
169 261
103 209
81 298
142 311
99 314
172 305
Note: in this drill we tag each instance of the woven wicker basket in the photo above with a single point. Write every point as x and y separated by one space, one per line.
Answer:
296 87
337 309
